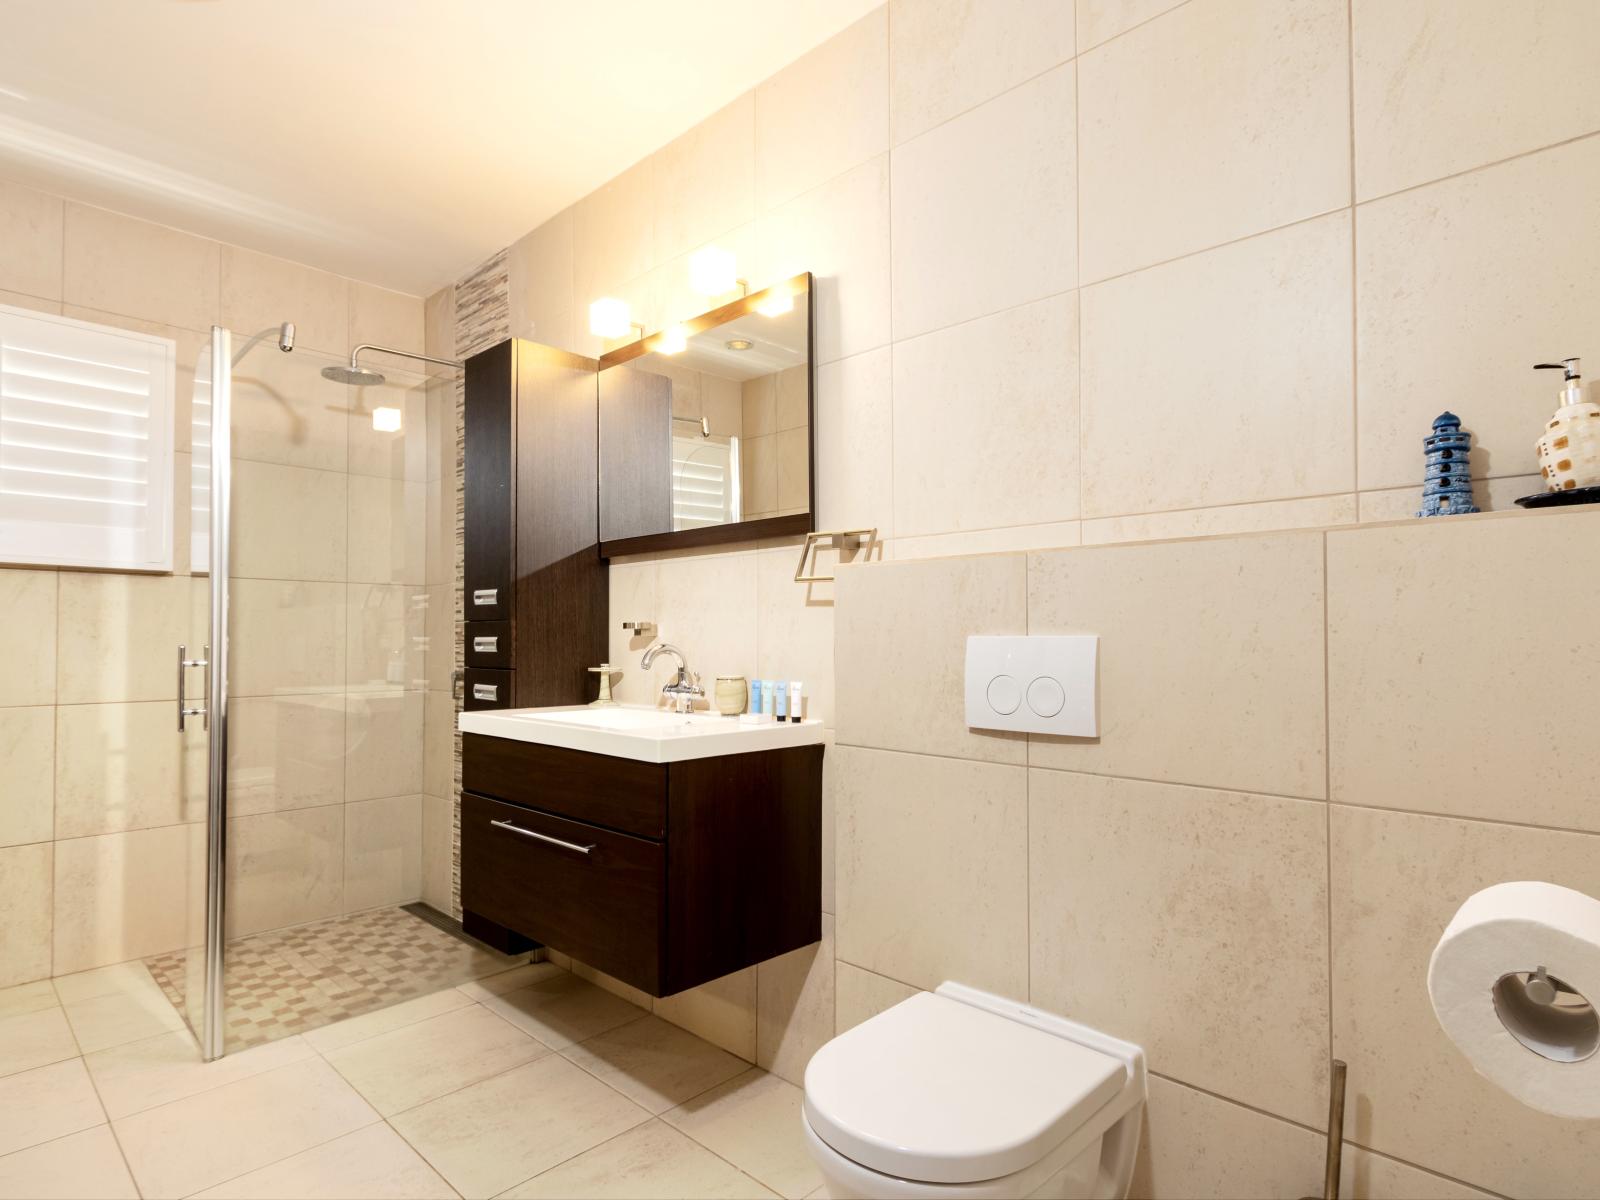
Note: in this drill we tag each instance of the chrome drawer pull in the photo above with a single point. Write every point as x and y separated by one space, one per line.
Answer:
486 596
486 645
486 691
507 825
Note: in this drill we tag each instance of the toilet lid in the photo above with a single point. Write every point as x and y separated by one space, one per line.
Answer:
942 1092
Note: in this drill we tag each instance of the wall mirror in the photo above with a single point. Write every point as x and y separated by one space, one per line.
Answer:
706 428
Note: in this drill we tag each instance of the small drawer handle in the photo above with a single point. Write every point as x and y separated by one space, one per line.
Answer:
507 825
486 596
486 645
486 691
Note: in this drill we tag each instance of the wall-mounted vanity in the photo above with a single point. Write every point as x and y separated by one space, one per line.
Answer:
666 850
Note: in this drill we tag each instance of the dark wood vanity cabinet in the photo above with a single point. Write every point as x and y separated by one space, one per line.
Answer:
536 596
664 876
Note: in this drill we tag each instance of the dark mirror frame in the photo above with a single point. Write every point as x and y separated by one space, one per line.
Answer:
735 531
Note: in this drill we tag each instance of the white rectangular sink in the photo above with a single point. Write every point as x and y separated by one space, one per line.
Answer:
651 735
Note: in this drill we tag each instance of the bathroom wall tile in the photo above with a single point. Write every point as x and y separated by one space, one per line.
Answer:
438 736
46 1103
829 825
119 635
1052 535
284 868
387 318
286 637
285 752
840 233
795 1007
387 535
374 1161
899 684
1101 20
121 896
25 913
932 869
854 443
383 636
1168 889
650 1159
1200 1147
123 766
1238 365
794 631
707 607
261 292
284 412
502 1131
753 1121
27 786
1448 312
88 1163
947 57
954 459
288 523
758 476
794 151
1227 632
612 235
861 995
543 304
723 1012
654 1063
1371 1176
1001 237
792 450
30 241
439 323
1313 512
28 637
122 265
383 744
632 598
1219 120
31 303
382 852
1428 620
1490 495
439 630
437 836
1396 880
705 180
1442 87
390 455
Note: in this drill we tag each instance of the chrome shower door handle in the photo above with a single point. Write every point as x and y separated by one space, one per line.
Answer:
184 663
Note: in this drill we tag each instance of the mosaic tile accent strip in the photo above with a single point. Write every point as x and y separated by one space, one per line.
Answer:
293 980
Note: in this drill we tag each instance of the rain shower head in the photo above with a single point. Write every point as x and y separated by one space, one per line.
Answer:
355 374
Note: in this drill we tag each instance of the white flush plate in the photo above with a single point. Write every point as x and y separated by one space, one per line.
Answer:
1034 684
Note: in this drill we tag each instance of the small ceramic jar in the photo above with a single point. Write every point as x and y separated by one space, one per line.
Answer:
730 694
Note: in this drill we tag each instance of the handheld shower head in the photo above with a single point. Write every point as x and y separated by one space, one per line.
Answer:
286 336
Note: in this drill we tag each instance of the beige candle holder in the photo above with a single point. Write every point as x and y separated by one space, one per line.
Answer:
731 691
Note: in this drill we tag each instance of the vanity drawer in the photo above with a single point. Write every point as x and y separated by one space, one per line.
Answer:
488 644
596 894
487 689
617 793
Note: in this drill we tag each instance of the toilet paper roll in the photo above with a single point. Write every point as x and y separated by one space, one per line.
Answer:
1514 982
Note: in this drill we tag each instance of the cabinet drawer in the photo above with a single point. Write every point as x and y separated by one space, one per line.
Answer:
487 689
617 793
488 644
592 893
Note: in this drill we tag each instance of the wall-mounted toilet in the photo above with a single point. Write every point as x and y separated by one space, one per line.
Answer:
965 1094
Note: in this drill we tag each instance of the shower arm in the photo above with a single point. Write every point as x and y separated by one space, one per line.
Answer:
443 362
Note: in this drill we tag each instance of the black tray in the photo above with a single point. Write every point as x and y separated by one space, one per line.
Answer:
1585 495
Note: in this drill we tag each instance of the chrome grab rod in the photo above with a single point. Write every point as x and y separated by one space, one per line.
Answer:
212 1041
184 663
509 827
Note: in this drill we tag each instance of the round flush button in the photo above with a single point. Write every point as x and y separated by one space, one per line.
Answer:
1045 696
1005 695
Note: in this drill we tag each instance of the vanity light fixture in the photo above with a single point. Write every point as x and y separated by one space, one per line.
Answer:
386 419
738 343
674 339
778 302
713 271
610 318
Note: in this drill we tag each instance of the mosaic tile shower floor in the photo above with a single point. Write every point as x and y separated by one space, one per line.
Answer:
294 980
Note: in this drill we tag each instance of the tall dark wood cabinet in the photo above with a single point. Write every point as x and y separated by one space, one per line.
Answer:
536 600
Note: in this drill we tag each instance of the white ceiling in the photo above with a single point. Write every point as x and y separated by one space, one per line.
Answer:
396 141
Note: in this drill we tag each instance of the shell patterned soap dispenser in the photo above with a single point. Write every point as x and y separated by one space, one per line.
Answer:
1569 448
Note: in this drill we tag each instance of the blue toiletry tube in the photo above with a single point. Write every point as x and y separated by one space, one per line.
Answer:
767 698
782 709
755 696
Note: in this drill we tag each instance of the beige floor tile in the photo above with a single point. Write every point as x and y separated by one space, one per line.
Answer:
723 1012
35 1039
795 1006
111 1006
611 984
497 1133
81 1166
502 982
203 1140
154 1071
416 1063
358 1029
374 1163
45 1103
649 1162
28 998
753 1121
561 1009
862 994
654 1063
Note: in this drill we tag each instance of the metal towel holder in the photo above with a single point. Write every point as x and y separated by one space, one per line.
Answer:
847 540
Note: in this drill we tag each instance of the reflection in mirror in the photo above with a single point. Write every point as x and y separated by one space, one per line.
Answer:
716 433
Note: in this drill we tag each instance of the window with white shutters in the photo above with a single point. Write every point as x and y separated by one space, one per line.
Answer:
86 423
705 481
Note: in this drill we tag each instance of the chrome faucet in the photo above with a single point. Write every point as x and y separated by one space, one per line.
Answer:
684 686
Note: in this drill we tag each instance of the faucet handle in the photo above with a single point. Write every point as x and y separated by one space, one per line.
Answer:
640 628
